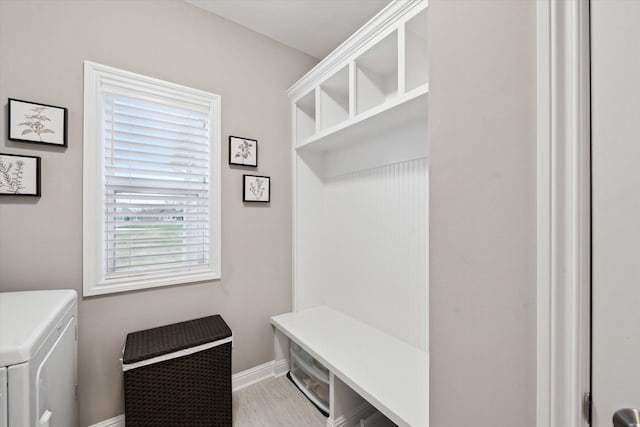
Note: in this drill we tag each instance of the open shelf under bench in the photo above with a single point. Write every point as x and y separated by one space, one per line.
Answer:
390 374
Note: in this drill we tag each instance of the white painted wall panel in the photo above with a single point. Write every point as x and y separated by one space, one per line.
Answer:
372 245
482 190
376 226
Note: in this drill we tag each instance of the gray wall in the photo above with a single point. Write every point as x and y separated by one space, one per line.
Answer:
615 151
482 132
42 46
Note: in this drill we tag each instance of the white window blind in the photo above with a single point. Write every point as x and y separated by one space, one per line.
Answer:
157 208
156 189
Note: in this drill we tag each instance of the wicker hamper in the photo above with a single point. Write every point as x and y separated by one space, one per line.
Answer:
179 375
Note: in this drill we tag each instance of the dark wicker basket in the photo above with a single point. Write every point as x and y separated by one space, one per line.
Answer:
188 390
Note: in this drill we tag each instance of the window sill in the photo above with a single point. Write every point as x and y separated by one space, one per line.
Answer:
131 284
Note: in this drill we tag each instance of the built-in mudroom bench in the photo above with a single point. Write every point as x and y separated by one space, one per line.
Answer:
365 366
358 335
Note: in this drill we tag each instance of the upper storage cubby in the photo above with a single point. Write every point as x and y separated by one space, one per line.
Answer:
305 110
334 99
416 64
377 74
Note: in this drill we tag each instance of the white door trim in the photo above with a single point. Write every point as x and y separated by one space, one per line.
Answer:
563 212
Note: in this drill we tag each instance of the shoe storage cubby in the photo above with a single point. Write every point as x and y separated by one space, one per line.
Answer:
416 64
377 74
305 110
334 99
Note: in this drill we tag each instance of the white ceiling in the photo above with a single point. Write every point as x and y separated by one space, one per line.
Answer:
315 27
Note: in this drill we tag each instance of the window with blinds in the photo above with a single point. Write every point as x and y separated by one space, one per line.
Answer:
154 157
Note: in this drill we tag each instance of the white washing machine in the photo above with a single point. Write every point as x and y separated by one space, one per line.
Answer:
38 359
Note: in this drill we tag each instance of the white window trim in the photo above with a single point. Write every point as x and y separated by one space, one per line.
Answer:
92 208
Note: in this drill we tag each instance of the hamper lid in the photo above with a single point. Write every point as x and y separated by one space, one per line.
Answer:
143 345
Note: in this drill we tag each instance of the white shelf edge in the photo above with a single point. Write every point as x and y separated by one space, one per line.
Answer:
371 113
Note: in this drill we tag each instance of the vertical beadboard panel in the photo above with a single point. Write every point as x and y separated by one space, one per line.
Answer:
375 236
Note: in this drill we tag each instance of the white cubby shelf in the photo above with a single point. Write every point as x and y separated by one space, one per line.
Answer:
373 73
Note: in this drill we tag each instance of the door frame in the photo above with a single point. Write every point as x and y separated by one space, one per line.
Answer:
563 213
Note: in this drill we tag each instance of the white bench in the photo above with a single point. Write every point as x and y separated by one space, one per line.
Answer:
390 374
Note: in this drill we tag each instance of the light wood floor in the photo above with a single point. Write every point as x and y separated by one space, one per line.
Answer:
274 402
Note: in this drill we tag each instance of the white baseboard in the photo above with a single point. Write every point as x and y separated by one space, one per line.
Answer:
238 381
252 375
111 422
280 367
352 419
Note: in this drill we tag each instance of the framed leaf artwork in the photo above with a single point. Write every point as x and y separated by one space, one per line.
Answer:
37 123
256 188
243 151
19 175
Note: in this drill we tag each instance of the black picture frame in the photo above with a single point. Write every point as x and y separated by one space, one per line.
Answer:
10 182
235 154
251 194
38 128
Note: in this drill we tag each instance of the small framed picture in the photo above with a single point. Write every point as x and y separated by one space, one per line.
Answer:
243 151
256 188
37 123
19 175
